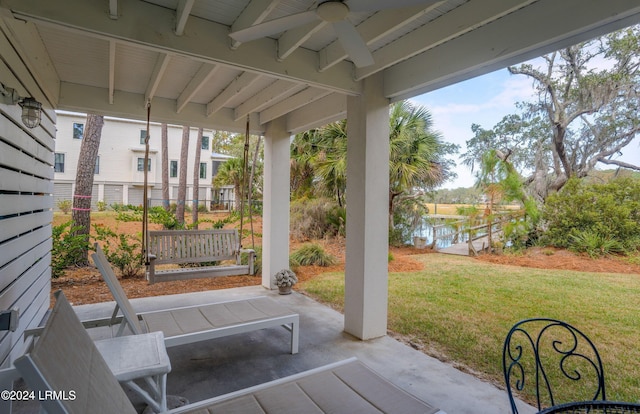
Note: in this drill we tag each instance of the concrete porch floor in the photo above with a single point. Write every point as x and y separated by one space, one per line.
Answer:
206 369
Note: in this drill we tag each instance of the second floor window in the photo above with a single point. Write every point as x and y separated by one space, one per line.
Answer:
78 130
214 167
173 169
58 164
97 169
143 135
203 170
205 143
141 164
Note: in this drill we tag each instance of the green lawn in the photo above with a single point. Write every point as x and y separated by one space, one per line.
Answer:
461 310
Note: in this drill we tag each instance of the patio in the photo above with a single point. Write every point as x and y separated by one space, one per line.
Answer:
223 365
117 57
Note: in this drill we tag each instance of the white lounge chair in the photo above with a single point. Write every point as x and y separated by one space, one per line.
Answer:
69 375
196 323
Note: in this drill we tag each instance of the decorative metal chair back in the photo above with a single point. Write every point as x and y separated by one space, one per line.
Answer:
554 361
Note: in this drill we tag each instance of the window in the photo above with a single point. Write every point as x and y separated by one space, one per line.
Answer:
203 170
173 169
143 135
141 164
214 167
58 163
205 143
78 130
96 171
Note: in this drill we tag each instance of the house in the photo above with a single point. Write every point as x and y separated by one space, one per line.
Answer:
118 177
214 65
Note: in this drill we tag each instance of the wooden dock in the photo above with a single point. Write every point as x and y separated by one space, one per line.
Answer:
462 249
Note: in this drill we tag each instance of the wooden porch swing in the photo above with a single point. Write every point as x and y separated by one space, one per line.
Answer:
205 248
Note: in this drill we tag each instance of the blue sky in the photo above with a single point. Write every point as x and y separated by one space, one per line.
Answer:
484 100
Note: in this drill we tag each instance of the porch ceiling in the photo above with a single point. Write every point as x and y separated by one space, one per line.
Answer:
112 56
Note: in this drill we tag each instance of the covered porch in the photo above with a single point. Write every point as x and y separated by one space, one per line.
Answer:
120 57
207 369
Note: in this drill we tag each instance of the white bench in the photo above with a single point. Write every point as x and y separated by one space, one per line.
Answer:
196 246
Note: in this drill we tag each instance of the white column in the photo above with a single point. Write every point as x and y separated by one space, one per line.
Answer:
366 272
100 192
275 213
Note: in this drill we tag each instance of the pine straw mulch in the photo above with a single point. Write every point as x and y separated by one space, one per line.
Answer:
85 285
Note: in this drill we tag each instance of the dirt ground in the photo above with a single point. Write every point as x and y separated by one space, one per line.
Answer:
84 285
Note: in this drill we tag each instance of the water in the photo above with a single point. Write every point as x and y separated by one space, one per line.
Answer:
445 232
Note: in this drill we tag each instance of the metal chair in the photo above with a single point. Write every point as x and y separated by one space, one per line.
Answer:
553 360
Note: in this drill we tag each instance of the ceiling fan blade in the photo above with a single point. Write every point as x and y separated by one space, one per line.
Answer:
375 5
275 26
353 44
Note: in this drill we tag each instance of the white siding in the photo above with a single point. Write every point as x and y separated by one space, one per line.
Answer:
26 202
119 151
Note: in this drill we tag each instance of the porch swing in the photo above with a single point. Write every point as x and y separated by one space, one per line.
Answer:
207 248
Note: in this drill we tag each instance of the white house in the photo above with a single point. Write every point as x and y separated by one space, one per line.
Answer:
119 174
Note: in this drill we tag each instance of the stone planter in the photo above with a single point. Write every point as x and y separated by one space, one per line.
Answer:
284 290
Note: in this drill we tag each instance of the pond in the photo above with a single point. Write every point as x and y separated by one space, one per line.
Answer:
447 232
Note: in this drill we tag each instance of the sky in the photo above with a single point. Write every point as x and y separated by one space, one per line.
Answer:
484 100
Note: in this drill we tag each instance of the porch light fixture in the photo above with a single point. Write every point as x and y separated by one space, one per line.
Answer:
31 109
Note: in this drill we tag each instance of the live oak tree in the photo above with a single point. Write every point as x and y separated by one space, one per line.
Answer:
81 212
585 114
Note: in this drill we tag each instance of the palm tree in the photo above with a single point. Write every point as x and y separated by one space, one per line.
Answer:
417 161
302 171
230 172
417 156
330 163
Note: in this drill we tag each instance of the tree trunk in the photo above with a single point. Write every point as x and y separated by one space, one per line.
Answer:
182 181
165 167
253 170
81 212
196 180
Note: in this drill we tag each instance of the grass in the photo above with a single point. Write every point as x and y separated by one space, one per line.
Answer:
461 310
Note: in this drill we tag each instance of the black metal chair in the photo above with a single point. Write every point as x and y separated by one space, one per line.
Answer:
552 360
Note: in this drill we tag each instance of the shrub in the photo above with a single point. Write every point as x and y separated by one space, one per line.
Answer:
595 244
122 250
67 247
316 219
589 214
101 205
157 215
257 261
311 254
408 215
64 206
118 207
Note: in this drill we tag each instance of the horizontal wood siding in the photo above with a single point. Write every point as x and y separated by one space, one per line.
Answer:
26 212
